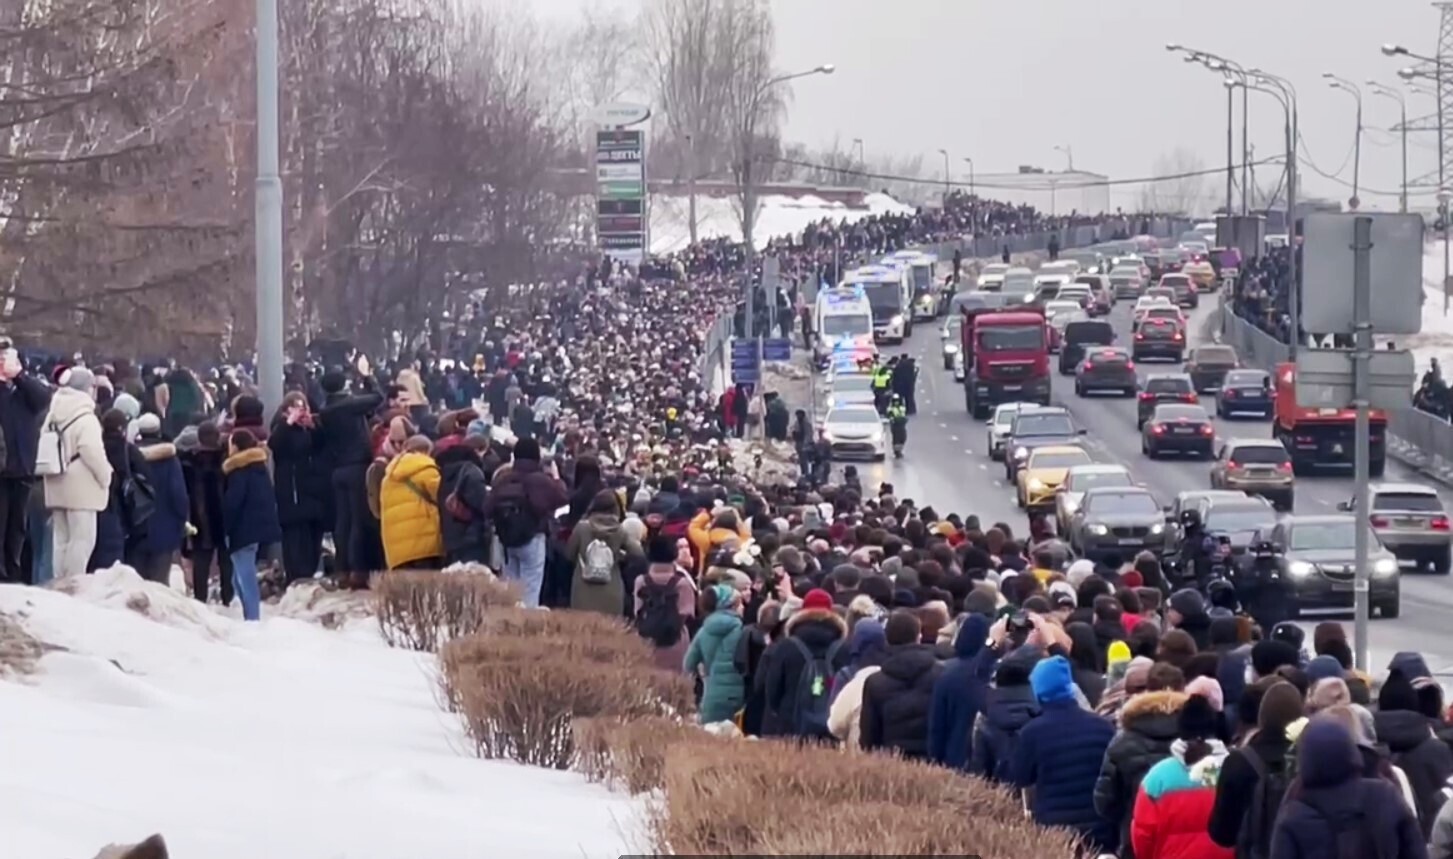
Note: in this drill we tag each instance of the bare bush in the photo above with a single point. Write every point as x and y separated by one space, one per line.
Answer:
713 805
631 753
522 703
424 609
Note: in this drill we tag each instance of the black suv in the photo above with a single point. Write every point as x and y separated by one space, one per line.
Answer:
1107 368
1163 388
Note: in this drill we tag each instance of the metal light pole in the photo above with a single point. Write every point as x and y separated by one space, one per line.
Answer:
1350 87
1379 89
268 213
1069 155
1443 194
1286 93
1218 63
749 214
862 159
691 187
1362 444
944 153
973 201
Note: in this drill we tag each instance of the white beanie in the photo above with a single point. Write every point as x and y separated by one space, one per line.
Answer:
1079 571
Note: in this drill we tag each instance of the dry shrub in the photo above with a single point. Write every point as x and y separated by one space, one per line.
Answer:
522 704
423 609
582 634
716 803
631 753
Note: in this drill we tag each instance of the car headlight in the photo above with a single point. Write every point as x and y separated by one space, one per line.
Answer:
1097 530
896 320
1157 528
951 349
1299 569
1385 567
1036 485
1070 504
1021 453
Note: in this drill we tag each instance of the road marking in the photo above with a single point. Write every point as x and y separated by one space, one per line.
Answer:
983 467
953 438
969 452
942 425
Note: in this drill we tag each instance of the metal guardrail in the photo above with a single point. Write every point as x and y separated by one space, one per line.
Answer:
1415 438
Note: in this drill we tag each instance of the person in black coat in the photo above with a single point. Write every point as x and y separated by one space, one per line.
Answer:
24 401
959 695
1149 724
347 452
898 698
1426 760
202 455
817 628
1330 807
300 483
466 538
116 535
1008 706
166 528
249 507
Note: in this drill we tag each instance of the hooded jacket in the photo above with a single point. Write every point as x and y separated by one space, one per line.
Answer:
1059 753
1008 707
343 429
1330 787
23 402
958 695
1426 760
714 648
1174 805
897 699
408 505
607 598
300 477
248 505
705 536
202 469
818 630
167 527
1236 786
529 480
86 482
1149 723
461 474
867 648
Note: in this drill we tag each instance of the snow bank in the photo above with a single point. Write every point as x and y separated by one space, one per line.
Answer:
1436 338
145 714
778 215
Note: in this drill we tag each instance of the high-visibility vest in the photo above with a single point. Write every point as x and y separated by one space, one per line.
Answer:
882 378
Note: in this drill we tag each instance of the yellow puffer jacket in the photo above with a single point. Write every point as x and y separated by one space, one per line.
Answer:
409 510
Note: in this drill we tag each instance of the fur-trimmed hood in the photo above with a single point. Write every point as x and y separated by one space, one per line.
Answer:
826 618
1154 714
157 451
244 458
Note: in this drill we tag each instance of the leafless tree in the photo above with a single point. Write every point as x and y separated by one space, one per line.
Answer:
1179 185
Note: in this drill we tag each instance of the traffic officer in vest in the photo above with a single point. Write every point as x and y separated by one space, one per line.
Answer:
882 383
898 424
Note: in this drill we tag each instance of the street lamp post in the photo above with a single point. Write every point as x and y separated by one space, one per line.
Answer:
268 212
946 178
749 214
1218 63
1286 93
1069 155
1356 92
862 159
973 202
1443 194
1379 89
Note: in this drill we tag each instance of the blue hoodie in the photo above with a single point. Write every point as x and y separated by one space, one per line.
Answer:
1052 680
958 695
867 647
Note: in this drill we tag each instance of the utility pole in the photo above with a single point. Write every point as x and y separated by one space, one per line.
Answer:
1362 401
691 186
268 214
944 153
1230 136
1245 148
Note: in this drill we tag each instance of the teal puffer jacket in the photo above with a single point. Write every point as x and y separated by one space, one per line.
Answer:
715 644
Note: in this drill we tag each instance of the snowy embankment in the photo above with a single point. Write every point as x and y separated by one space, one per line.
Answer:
127 708
1436 338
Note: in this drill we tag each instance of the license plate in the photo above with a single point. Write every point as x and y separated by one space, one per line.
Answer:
1184 430
1013 387
1342 587
1129 541
1410 523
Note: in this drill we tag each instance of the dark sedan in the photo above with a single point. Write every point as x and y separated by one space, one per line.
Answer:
1315 561
1159 338
1163 388
1178 428
1208 365
1118 521
1246 392
1106 369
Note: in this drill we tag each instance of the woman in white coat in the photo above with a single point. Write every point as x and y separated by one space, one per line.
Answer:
80 483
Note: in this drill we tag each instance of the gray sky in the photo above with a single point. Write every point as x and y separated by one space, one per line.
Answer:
1005 82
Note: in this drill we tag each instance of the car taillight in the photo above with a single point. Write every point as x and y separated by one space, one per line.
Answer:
1089 365
1130 365
1232 464
1206 429
1146 395
1190 398
1139 336
1377 522
1178 336
1284 467
1439 523
1158 429
1229 393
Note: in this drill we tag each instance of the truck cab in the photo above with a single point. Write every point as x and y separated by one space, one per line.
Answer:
1006 357
1319 437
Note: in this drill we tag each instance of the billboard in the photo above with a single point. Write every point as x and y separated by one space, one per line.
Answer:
620 191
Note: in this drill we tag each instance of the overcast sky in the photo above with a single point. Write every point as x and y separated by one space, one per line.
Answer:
1005 82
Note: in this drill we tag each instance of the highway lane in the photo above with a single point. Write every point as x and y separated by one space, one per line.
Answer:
947 465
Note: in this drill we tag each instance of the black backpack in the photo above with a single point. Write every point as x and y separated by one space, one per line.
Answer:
658 620
515 522
1254 840
1351 830
813 697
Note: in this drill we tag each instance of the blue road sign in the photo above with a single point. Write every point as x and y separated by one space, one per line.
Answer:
746 362
776 349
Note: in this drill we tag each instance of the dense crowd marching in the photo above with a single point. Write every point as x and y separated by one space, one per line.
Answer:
574 447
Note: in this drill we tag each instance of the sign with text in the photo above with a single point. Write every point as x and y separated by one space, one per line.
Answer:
620 182
746 361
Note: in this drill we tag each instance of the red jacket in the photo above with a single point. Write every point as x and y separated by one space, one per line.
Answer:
1171 813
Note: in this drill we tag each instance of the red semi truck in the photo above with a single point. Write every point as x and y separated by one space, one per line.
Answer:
1315 437
1006 357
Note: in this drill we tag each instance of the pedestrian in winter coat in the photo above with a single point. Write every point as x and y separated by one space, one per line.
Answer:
1441 844
663 572
166 528
1331 810
1008 707
249 507
1087 661
82 489
118 529
1273 704
347 451
597 584
897 699
394 436
751 657
462 523
1427 761
526 484
710 529
1059 753
409 509
24 401
1175 800
1149 723
300 482
202 456
867 649
959 695
711 655
814 632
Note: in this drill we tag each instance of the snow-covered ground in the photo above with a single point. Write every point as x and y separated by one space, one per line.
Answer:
777 216
1436 338
150 713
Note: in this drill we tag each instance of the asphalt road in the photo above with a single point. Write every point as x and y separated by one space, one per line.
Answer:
946 465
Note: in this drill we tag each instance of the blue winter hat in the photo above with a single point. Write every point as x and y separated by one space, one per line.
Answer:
1322 668
1051 680
477 427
